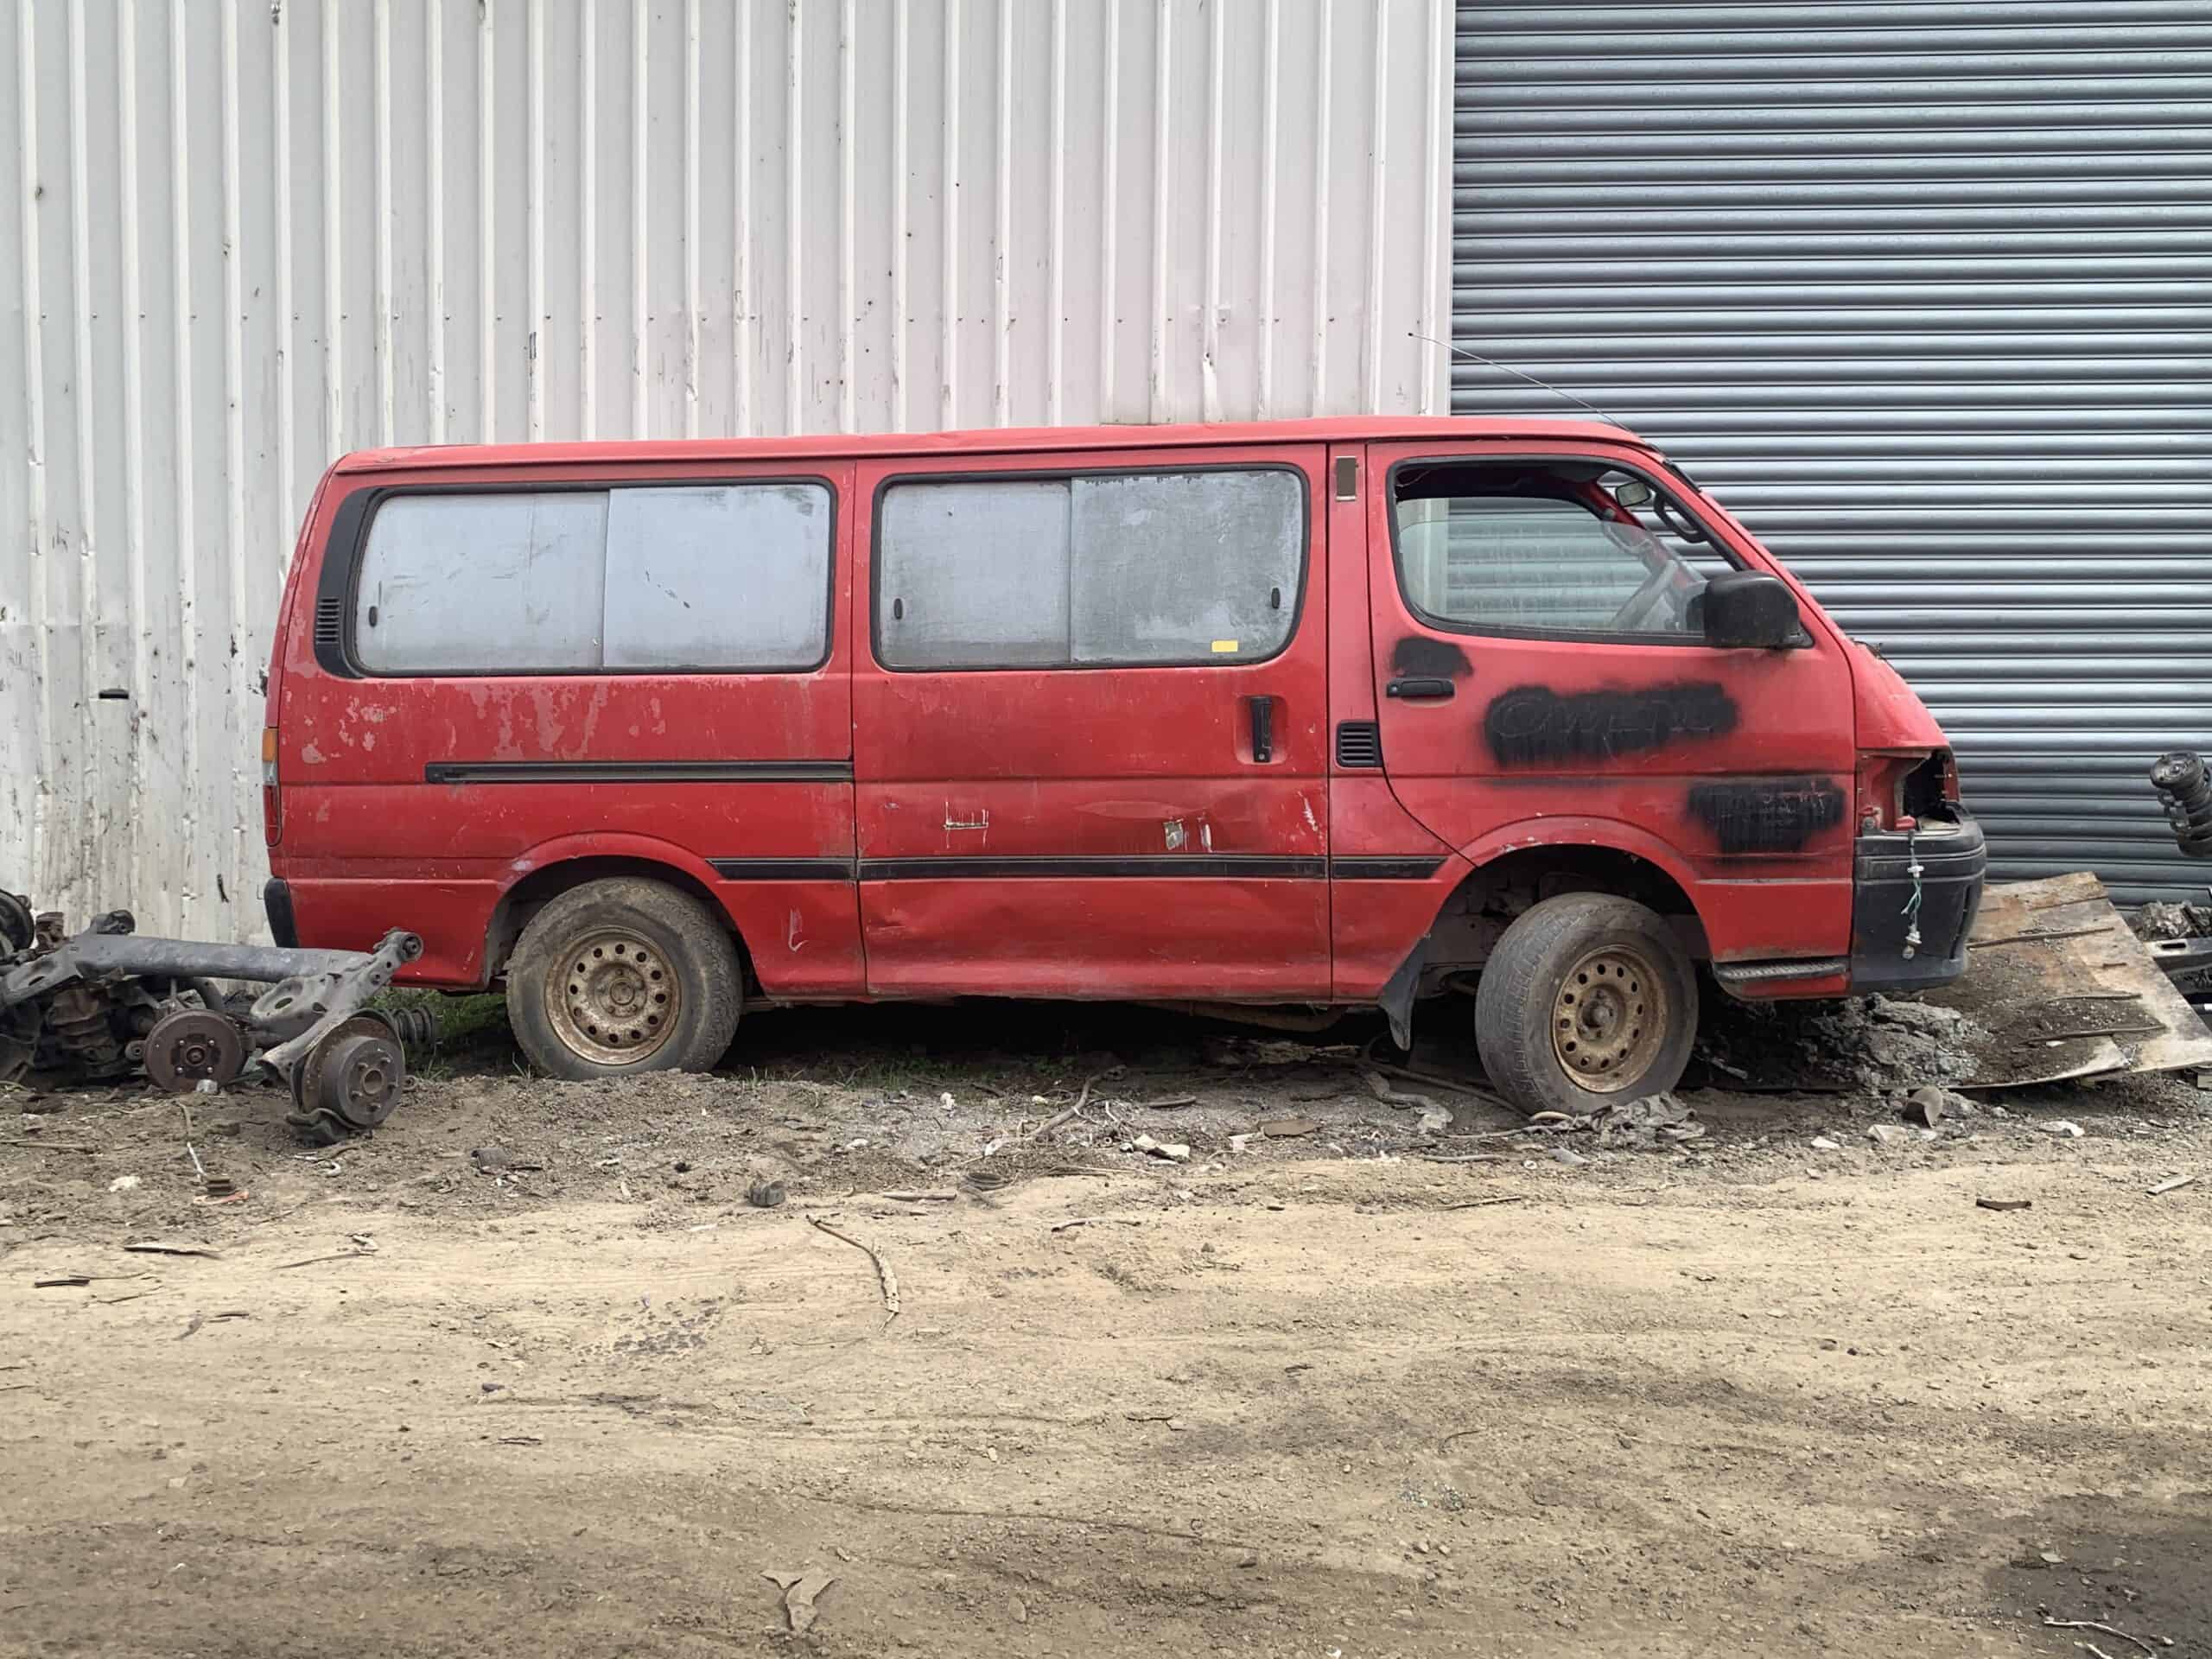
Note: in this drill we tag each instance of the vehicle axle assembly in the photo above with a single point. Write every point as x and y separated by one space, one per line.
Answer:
108 1001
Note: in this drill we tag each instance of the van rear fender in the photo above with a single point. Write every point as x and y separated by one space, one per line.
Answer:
553 866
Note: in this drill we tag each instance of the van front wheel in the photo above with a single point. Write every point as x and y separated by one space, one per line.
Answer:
1588 1001
621 976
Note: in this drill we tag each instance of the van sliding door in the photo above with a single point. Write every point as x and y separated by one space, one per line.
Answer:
1089 726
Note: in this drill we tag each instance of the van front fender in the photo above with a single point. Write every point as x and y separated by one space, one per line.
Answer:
1753 918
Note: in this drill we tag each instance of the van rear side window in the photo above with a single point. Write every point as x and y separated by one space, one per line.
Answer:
1093 570
720 577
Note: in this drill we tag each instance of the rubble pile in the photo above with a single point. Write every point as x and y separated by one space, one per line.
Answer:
2155 922
1648 1125
1888 1046
1872 1044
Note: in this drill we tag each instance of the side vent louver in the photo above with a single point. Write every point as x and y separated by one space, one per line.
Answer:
1359 745
329 621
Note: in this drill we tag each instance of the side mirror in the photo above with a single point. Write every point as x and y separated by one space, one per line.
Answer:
1749 610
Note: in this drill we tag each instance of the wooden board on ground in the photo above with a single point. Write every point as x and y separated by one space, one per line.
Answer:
2065 989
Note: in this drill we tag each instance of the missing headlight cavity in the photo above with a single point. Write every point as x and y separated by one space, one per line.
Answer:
1924 793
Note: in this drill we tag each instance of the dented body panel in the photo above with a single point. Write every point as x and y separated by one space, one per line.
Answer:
1099 831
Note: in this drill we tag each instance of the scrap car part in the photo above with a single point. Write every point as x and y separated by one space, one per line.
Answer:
2188 962
2186 793
191 1046
80 1033
101 948
350 1079
17 925
324 1000
100 1002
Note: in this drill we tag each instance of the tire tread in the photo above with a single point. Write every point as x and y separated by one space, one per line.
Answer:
1517 977
714 983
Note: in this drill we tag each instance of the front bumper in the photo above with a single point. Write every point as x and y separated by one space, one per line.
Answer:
1953 858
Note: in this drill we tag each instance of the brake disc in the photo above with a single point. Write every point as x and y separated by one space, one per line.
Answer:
190 1045
355 1075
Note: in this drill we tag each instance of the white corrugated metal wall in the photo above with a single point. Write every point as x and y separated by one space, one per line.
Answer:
250 235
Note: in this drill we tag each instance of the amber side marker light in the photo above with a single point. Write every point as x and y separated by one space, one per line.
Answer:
272 814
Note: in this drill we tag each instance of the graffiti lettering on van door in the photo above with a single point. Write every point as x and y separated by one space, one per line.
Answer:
1419 656
1534 726
1767 815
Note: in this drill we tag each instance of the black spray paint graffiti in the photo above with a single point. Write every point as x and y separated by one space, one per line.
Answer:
1418 657
1767 815
1534 725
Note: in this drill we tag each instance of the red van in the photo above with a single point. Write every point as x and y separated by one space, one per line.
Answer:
1334 713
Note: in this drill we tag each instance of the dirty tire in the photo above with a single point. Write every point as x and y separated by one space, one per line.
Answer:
681 938
1586 956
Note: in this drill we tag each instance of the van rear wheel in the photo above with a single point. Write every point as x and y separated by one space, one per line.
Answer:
621 976
1589 1001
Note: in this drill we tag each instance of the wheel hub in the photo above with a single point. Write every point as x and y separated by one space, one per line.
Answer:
613 999
351 1079
1609 1019
192 1044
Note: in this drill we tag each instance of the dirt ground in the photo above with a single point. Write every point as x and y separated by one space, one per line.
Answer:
524 1372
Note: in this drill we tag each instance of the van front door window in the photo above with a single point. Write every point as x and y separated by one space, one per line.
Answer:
1564 549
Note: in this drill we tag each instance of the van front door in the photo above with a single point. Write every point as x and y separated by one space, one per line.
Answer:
1542 679
1089 733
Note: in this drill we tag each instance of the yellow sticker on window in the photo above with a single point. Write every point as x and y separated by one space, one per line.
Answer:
1225 644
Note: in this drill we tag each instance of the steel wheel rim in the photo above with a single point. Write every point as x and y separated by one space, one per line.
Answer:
1609 1019
614 998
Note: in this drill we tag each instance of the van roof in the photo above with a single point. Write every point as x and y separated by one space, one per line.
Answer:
1339 429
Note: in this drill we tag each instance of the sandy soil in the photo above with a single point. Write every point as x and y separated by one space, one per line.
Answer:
1321 1394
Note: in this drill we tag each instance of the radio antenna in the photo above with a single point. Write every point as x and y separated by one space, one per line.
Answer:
1507 368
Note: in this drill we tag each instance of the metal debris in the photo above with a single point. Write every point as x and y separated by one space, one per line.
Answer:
109 1001
1645 1125
2185 791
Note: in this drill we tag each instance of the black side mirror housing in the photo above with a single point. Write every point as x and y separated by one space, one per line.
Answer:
1749 610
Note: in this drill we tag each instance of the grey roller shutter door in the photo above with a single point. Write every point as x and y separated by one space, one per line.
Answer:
1924 293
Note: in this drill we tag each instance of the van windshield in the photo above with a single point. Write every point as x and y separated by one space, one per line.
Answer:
1549 547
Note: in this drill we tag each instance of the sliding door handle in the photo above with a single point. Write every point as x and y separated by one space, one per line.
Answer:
1263 729
1419 690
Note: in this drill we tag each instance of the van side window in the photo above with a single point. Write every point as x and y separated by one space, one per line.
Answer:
1092 570
1540 547
725 577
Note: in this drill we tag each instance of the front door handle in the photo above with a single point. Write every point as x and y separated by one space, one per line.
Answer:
1418 688
1263 729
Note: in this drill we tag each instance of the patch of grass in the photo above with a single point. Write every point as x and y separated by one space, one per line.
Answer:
467 1020
459 1013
